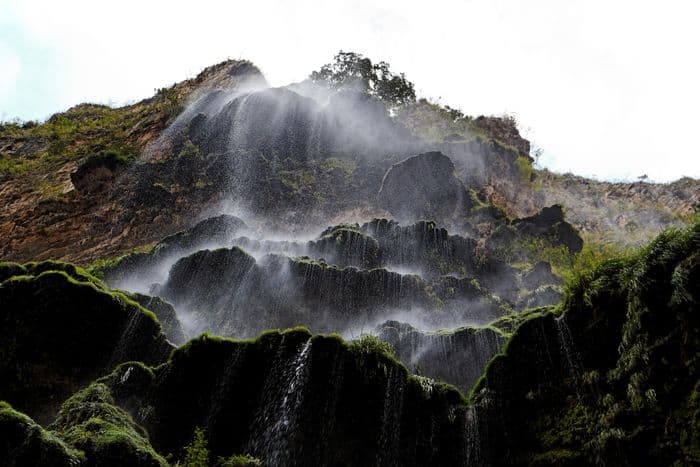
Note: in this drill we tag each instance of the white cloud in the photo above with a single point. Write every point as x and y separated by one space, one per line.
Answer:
607 88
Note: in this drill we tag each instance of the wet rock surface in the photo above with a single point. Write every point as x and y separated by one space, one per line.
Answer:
458 356
446 246
423 187
62 328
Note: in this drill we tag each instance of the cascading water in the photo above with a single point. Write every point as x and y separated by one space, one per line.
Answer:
255 278
472 438
390 435
280 406
568 348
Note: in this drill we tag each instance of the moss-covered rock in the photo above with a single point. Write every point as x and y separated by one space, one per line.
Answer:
108 436
167 317
287 397
23 443
612 377
456 356
60 329
145 267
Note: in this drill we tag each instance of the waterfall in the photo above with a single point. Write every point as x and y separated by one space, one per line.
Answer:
472 437
568 348
390 437
278 418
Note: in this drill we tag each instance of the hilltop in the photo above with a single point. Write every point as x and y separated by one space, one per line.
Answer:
117 173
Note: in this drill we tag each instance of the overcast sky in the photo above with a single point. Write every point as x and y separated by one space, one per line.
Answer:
606 88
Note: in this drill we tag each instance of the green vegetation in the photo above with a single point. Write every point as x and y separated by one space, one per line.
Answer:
51 303
524 167
353 71
437 123
84 131
91 421
16 166
197 453
24 443
297 181
369 344
609 376
97 267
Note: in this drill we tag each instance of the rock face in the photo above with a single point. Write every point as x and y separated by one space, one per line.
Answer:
621 359
540 274
24 442
140 270
423 187
167 317
550 223
97 172
287 398
619 356
61 328
226 290
456 356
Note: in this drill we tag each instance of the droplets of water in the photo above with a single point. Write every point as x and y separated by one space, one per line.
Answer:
568 348
388 449
280 407
472 438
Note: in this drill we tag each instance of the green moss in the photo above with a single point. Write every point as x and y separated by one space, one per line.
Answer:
345 167
17 166
98 267
297 181
9 269
370 344
91 421
610 375
25 443
61 327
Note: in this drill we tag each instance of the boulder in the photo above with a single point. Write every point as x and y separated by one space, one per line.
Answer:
423 187
540 274
549 223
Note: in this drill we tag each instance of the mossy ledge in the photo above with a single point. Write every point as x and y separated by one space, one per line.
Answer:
611 375
269 397
60 328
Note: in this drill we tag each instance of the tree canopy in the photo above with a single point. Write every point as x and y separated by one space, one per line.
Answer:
354 71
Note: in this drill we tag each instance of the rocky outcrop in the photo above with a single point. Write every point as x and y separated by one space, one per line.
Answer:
289 398
23 442
456 356
228 291
549 223
167 317
91 421
98 171
545 295
613 378
504 129
140 270
347 246
423 187
423 247
540 274
61 328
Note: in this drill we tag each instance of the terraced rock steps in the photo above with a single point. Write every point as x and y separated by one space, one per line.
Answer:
609 375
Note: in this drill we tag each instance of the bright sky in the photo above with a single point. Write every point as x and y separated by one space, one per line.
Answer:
606 88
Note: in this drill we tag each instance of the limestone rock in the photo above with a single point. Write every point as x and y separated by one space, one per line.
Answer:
423 187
